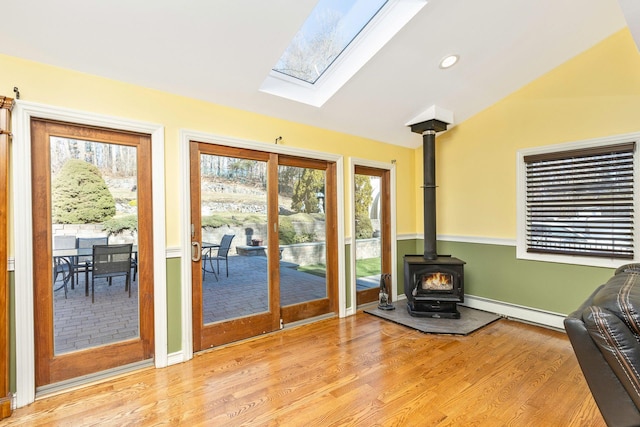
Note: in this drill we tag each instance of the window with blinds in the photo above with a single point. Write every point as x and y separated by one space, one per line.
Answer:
581 202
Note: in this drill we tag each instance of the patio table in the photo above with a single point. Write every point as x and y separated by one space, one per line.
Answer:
71 253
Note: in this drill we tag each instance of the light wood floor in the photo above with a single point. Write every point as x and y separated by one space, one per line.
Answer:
360 371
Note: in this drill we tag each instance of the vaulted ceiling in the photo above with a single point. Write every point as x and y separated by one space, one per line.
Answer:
221 51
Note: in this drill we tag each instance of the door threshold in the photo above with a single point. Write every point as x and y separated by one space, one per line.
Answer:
90 379
309 320
367 305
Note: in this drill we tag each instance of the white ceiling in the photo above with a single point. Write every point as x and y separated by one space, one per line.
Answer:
222 50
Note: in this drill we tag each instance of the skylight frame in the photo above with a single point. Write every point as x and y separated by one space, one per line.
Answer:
382 28
308 33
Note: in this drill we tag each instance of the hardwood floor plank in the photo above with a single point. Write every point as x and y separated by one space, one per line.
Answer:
357 371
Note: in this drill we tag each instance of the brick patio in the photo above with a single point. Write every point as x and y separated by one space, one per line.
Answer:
79 324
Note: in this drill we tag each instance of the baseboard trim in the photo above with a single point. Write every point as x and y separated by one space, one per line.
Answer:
175 358
518 312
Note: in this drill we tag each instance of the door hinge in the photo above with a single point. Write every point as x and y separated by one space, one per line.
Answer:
281 324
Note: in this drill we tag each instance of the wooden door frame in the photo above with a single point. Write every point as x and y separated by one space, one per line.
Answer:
53 368
229 330
21 184
392 247
189 135
309 309
6 104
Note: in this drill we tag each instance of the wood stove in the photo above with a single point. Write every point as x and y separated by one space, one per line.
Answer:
433 287
433 284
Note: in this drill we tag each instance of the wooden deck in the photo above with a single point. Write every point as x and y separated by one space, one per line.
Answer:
357 371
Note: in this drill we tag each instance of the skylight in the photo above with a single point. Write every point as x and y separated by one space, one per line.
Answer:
336 40
331 27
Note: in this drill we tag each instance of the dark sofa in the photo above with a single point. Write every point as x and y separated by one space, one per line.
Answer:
605 334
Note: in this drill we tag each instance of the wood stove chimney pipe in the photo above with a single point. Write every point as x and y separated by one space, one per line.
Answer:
428 130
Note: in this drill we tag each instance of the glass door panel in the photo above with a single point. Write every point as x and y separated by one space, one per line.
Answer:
234 289
93 201
85 186
281 263
307 238
233 198
372 232
302 234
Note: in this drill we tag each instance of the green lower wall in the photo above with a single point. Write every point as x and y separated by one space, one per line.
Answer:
492 271
174 306
347 273
12 334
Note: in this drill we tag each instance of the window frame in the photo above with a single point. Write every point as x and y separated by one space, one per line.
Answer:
521 201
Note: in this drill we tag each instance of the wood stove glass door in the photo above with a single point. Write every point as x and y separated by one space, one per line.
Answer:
372 234
234 247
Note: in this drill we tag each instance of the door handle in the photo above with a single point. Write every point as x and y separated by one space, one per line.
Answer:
195 257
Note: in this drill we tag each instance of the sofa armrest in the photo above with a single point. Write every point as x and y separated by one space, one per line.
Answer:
615 404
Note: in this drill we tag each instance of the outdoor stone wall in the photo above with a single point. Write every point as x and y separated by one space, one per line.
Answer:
368 248
304 253
300 253
92 230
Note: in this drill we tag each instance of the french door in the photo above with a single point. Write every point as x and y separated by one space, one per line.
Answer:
372 231
89 184
279 213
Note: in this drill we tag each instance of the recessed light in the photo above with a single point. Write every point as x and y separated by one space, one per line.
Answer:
449 61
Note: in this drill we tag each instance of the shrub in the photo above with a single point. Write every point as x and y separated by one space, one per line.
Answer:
364 228
80 195
117 225
216 221
287 232
363 199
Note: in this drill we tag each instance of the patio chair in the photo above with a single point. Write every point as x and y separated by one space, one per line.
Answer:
134 265
62 266
110 261
221 254
80 263
66 242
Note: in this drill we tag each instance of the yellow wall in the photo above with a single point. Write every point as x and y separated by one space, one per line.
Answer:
595 94
64 88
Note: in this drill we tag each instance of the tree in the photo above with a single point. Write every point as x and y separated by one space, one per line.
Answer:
363 199
80 196
310 54
305 193
287 178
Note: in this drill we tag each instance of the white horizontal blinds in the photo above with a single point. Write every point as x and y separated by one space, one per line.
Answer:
580 202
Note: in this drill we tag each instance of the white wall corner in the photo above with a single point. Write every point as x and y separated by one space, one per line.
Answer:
631 11
433 112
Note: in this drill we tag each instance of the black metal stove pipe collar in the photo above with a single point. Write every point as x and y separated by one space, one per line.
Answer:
429 189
